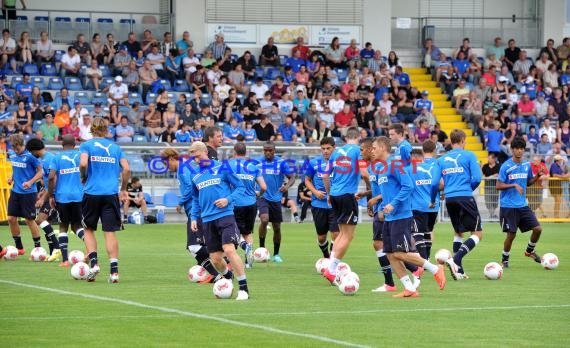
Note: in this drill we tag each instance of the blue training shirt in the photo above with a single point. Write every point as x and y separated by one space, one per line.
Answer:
374 187
103 167
396 188
46 162
274 175
426 180
315 171
403 152
209 185
24 167
68 187
460 172
185 183
345 175
248 173
514 173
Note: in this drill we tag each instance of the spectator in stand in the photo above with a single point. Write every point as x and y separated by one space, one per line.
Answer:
147 76
148 41
208 59
304 50
493 139
62 118
550 77
237 79
25 48
465 48
24 89
232 131
72 128
226 63
527 110
78 111
334 55
8 49
552 53
131 77
114 114
44 50
70 63
85 129
393 62
110 49
83 49
288 130
522 66
156 60
512 53
124 132
199 79
422 133
133 46
269 54
214 75
122 60
93 75
548 130
136 116
118 92
498 49
352 54
167 45
152 120
491 173
183 134
49 130
559 172
97 49
195 104
276 116
218 47
259 88
367 54
184 43
264 130
343 119
22 118
278 89
402 77
196 134
491 62
564 133
190 63
405 107
98 111
248 65
460 94
559 103
295 61
170 117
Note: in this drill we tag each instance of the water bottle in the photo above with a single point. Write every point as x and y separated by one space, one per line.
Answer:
160 214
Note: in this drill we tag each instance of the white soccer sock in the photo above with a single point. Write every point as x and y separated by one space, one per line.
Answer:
333 265
380 253
430 267
475 239
457 239
407 282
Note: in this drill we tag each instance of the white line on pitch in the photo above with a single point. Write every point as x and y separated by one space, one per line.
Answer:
186 314
403 310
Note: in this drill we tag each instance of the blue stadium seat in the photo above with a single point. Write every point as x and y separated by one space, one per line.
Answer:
241 97
199 56
105 70
55 83
100 98
39 82
124 109
104 20
272 73
82 20
234 58
73 84
58 54
166 85
83 70
148 199
41 18
150 98
127 21
48 70
21 18
7 70
31 69
259 72
342 74
15 81
106 82
181 86
139 138
206 97
170 199
36 125
172 96
135 97
283 59
63 19
83 97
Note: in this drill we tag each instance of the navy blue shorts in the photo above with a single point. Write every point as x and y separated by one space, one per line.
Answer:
517 218
464 214
345 208
273 209
104 207
219 232
324 220
377 226
69 213
245 218
22 205
421 219
432 219
46 208
397 235
195 238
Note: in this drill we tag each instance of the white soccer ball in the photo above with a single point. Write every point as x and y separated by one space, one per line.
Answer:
79 271
549 261
11 253
223 288
261 255
493 271
352 275
76 256
136 218
349 284
197 274
38 254
342 269
322 264
442 256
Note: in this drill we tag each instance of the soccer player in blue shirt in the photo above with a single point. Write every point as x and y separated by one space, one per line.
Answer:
195 242
403 147
395 186
341 181
214 192
461 175
323 214
37 148
274 171
514 177
426 178
245 206
26 171
101 163
375 211
65 192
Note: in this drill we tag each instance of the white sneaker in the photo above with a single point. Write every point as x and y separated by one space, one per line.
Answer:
385 288
93 273
114 278
416 282
242 296
454 269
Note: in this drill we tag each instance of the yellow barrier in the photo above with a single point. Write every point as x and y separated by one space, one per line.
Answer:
5 174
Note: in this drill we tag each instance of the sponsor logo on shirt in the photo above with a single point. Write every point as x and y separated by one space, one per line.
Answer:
69 170
19 164
103 159
209 182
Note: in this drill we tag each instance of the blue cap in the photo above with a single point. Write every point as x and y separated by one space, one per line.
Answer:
123 47
541 94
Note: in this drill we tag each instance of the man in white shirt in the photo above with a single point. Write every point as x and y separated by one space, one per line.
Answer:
93 74
118 92
190 62
327 116
70 63
156 60
8 49
78 111
336 104
548 130
259 88
85 128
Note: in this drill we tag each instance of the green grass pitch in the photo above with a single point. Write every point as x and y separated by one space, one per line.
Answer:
290 305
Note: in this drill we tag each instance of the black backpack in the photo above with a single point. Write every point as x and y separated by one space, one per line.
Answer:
47 97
